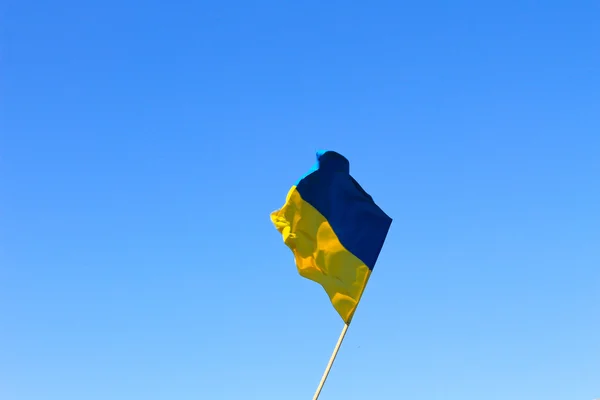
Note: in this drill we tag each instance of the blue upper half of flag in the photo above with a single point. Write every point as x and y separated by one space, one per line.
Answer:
359 223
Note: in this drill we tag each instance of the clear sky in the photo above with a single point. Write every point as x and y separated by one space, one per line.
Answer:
143 146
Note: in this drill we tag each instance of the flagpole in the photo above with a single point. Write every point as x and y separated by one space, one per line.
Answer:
339 344
331 360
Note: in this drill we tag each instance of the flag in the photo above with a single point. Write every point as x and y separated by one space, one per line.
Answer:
334 229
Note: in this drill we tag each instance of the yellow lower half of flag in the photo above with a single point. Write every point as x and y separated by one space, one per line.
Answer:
319 254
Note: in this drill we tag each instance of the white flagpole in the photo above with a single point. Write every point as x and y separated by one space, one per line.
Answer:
331 360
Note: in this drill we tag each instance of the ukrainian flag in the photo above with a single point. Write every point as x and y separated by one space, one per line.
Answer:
335 230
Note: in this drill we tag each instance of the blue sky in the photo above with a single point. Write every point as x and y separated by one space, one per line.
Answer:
143 146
